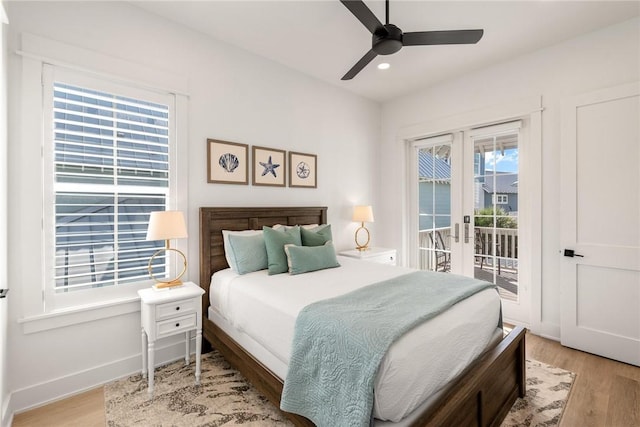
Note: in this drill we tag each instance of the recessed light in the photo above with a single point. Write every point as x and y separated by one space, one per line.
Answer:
383 66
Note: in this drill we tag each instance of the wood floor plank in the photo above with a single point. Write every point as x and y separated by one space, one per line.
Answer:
624 403
82 410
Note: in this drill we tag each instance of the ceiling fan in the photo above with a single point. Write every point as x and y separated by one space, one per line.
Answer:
388 39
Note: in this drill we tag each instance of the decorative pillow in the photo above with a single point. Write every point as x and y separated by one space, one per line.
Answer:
303 259
248 253
317 236
274 241
228 253
307 226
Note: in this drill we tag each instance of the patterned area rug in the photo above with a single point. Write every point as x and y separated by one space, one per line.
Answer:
226 399
548 390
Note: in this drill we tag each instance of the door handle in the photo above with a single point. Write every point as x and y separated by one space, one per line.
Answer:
466 219
571 253
456 236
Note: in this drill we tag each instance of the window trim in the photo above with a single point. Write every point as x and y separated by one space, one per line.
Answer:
61 301
35 54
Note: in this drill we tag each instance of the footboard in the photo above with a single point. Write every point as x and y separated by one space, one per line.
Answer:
483 395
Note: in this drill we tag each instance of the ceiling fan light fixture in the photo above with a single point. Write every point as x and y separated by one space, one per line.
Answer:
387 39
384 66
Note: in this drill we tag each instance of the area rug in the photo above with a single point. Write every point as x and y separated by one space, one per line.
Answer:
548 390
225 398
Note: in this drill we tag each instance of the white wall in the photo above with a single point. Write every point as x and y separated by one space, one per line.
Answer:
600 59
4 283
234 96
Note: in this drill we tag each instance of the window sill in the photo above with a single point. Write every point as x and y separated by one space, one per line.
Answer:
80 314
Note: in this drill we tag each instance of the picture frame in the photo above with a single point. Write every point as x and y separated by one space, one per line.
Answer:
269 166
227 162
303 170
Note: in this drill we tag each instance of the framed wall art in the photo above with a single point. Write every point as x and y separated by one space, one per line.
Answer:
303 170
269 166
227 162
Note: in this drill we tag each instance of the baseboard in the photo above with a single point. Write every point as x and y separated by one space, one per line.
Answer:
60 388
515 322
550 331
6 416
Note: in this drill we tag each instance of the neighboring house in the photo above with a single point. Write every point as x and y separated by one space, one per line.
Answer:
503 187
435 191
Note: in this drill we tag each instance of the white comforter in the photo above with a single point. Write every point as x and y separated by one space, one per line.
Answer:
417 365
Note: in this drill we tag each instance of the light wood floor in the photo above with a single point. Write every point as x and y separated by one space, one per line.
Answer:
605 394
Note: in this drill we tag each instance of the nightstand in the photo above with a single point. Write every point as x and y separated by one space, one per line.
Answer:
379 255
167 312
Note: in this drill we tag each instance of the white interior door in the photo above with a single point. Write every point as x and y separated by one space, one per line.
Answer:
600 210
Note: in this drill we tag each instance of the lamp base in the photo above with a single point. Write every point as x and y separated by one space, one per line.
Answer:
362 246
168 285
174 282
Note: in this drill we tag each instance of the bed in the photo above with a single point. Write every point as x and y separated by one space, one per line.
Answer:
481 395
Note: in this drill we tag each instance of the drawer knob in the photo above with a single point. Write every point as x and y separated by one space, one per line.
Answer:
177 308
177 325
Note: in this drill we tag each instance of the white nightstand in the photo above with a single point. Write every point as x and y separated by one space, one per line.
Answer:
168 312
379 255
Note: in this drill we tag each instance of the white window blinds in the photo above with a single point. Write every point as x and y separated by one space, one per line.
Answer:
111 169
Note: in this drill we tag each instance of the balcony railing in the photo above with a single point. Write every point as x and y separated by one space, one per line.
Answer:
435 247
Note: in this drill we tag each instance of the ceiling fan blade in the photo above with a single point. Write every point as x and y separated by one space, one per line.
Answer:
364 14
368 57
441 37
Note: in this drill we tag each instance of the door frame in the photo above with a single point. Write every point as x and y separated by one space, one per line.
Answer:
530 227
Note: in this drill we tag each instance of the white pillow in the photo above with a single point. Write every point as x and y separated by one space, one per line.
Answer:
228 253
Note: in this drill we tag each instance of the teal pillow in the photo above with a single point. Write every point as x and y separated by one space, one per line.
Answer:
275 240
247 253
303 259
316 236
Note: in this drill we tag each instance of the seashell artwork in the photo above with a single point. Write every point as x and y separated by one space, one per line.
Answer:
229 162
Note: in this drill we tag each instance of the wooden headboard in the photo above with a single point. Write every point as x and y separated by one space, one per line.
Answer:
214 220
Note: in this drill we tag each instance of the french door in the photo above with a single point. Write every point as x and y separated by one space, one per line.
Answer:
466 190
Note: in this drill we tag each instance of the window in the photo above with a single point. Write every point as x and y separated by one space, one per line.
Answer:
110 165
500 199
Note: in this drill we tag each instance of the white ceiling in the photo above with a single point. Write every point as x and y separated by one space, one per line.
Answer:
323 39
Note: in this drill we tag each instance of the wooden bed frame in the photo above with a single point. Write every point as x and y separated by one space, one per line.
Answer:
481 396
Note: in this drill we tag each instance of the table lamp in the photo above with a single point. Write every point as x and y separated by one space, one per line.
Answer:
166 225
362 214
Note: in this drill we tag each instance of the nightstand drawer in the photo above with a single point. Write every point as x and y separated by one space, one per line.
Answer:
378 255
175 325
176 308
383 259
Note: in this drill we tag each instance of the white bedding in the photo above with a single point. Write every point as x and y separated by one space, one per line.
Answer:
265 307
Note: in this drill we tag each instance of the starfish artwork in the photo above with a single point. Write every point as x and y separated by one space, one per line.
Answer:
269 167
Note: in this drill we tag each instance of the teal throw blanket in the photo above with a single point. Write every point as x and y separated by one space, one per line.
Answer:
339 343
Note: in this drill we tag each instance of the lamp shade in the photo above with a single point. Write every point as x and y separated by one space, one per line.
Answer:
362 214
165 225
